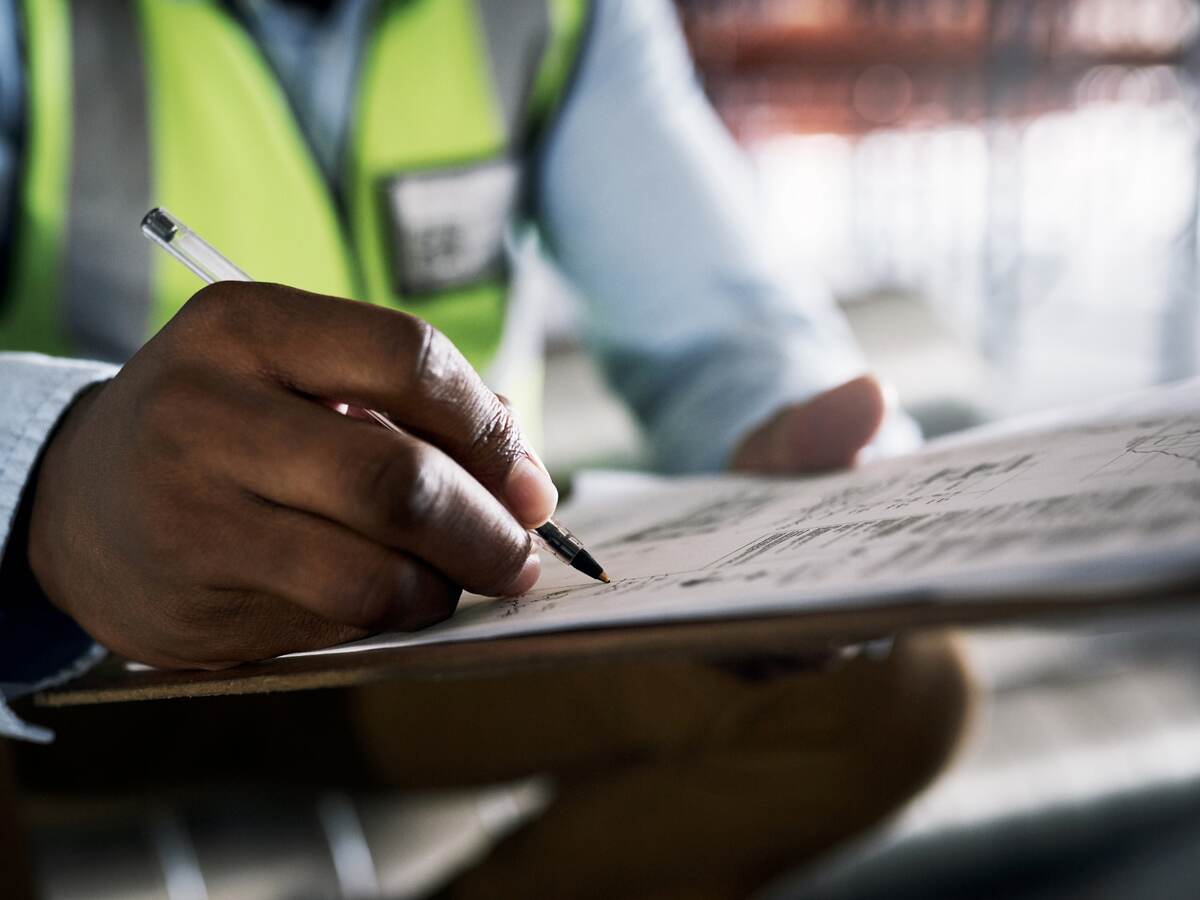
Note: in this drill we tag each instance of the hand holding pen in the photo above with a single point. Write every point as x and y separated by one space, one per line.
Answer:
210 265
201 508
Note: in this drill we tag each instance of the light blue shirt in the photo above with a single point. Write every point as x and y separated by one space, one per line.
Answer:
653 212
646 205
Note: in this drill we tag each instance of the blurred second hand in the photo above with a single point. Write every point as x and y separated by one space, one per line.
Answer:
211 266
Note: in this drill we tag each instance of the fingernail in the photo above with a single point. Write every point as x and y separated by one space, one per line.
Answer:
530 573
533 455
530 494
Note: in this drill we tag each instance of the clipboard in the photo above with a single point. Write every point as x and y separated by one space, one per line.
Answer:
705 641
1129 465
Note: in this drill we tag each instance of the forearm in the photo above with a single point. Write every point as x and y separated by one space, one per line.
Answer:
652 210
35 391
699 399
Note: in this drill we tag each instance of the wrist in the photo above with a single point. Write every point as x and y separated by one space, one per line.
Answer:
47 497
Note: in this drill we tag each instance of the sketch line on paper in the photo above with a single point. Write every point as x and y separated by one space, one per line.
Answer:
708 518
898 493
1184 447
1175 441
1032 524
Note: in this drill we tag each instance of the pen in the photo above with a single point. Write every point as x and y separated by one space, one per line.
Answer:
206 262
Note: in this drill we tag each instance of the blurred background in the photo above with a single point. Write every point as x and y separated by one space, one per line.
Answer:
1003 196
1001 193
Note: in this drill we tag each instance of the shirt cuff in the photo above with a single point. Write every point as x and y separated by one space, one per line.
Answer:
39 645
12 725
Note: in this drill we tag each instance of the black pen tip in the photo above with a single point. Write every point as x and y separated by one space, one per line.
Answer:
587 564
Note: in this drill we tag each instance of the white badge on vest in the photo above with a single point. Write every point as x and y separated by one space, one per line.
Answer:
448 226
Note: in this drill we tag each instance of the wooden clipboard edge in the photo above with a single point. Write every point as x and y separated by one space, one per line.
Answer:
717 640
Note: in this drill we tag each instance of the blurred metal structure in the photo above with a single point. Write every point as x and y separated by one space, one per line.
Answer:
818 66
1029 166
274 845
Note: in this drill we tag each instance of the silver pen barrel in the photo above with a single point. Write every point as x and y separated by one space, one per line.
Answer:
564 545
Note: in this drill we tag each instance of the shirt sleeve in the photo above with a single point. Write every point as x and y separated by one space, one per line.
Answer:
39 646
650 208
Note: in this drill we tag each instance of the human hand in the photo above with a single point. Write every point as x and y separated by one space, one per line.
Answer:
205 508
825 433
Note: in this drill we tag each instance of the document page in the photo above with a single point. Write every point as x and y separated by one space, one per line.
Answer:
1076 504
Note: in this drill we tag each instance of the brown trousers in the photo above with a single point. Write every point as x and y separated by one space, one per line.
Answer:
673 780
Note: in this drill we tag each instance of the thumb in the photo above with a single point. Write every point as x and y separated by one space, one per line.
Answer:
827 432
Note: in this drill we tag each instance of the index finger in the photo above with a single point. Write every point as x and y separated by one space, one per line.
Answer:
390 361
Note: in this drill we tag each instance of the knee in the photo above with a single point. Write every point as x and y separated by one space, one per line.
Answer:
915 714
936 680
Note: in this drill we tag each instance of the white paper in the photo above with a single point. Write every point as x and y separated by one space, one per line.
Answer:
1109 501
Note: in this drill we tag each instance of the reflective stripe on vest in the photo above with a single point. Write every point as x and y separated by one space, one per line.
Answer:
175 105
110 182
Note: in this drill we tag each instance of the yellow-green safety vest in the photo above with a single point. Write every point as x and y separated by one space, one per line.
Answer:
140 103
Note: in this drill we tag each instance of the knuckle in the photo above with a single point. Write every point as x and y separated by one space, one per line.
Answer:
231 317
406 485
497 438
423 353
214 304
369 595
350 594
423 498
426 600
378 476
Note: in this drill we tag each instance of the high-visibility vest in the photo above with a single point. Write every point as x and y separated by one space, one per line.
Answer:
140 103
